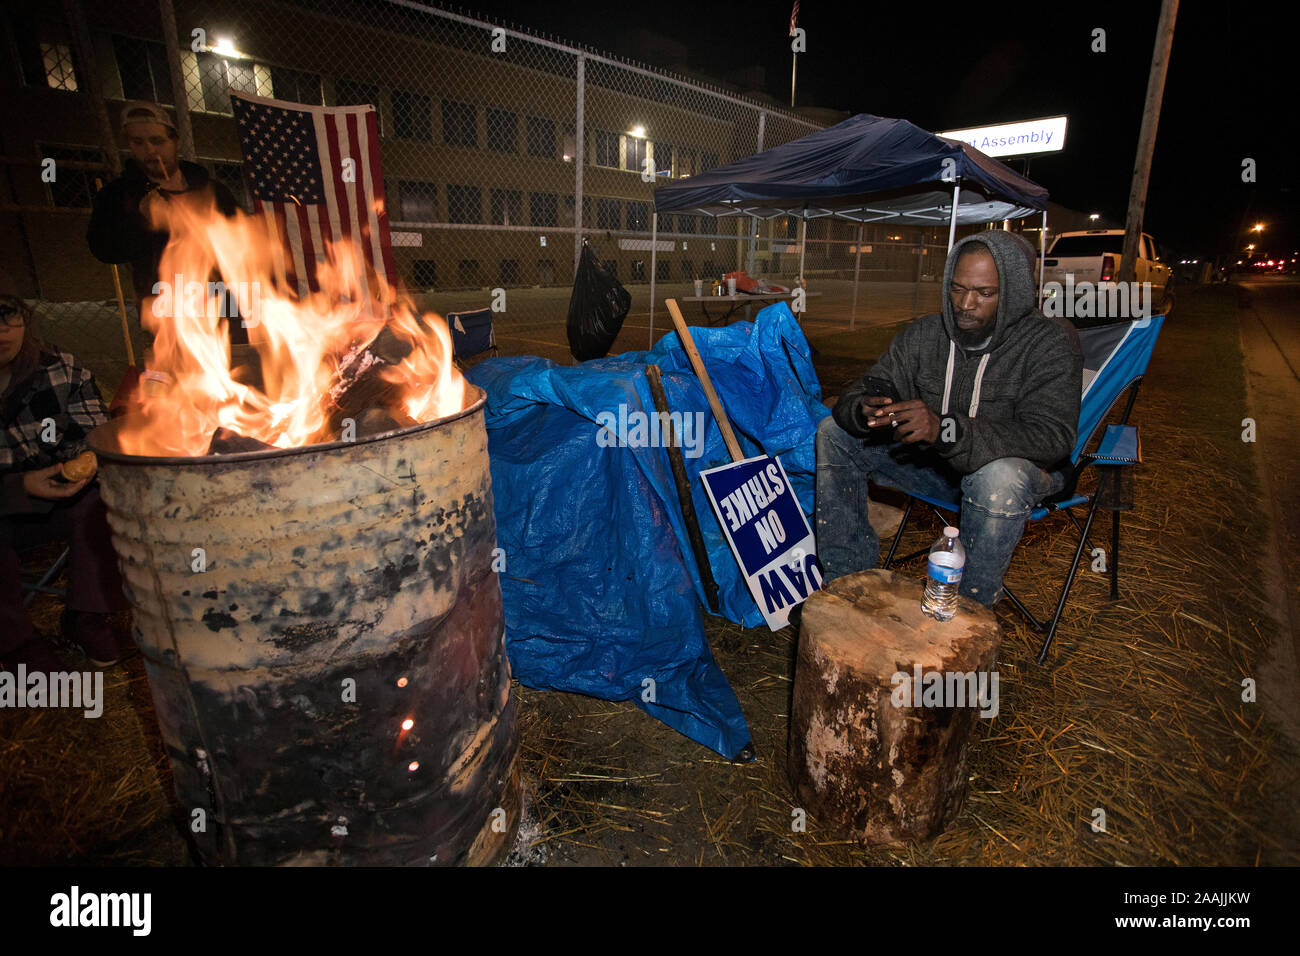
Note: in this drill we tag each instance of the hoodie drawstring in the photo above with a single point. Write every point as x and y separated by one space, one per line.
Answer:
979 380
947 379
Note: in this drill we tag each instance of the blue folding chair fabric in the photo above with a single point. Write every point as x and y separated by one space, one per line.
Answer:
471 333
600 584
1115 358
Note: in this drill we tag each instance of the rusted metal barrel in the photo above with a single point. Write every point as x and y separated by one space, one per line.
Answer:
324 638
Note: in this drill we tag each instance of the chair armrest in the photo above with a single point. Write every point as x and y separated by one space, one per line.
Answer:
1120 445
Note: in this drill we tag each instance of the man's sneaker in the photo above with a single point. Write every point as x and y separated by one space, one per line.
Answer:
94 635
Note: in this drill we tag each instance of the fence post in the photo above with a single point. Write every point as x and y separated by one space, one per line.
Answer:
857 268
803 246
753 220
654 263
86 53
920 260
179 94
579 160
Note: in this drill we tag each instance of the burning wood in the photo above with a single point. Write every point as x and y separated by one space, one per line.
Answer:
226 442
353 349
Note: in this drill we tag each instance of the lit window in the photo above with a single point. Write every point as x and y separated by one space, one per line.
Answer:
60 73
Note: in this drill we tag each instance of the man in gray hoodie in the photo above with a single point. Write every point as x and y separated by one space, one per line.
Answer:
977 405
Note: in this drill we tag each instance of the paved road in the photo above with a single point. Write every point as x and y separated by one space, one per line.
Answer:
1270 338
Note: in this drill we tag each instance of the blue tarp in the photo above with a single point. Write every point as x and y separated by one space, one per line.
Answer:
867 168
601 588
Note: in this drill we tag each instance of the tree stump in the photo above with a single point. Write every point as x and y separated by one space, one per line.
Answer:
881 724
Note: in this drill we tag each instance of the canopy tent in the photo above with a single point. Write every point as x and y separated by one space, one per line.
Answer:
865 169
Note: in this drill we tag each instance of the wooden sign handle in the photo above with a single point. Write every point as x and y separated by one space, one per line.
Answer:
697 363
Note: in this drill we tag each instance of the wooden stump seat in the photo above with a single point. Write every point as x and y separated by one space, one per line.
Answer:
859 762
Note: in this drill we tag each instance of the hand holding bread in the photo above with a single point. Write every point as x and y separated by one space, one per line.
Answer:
80 468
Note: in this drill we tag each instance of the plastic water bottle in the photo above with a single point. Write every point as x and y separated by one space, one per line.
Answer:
947 559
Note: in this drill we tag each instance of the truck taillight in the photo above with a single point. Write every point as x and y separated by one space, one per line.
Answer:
1107 268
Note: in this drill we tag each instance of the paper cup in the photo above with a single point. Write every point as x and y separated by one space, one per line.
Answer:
699 287
731 285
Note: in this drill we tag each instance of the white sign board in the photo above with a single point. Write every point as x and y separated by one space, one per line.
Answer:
768 533
1014 139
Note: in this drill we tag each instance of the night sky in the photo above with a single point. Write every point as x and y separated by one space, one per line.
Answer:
1226 94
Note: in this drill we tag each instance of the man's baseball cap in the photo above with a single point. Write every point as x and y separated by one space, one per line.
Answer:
143 111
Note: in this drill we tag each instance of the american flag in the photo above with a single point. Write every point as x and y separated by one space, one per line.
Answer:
295 159
794 17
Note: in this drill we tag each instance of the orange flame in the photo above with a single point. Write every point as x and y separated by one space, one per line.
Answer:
307 345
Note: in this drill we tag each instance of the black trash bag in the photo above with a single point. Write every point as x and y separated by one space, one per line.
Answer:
597 308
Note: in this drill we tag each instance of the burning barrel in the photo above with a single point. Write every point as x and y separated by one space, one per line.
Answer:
323 634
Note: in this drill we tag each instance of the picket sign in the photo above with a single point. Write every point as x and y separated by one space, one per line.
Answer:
764 523
768 533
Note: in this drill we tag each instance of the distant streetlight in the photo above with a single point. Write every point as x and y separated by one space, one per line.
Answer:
1251 246
1095 216
1258 227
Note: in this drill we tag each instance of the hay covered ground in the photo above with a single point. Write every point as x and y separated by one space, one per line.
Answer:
1139 712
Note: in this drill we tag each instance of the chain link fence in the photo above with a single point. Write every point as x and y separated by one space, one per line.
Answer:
502 152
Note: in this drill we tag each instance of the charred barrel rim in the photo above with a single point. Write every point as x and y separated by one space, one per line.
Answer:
105 444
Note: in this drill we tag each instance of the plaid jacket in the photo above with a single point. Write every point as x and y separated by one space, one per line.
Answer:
59 390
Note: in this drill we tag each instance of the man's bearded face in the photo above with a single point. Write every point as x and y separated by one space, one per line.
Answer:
153 148
975 290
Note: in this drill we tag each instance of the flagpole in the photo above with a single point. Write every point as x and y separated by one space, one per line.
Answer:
794 49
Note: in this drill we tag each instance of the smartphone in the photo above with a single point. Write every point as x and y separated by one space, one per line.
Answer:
878 388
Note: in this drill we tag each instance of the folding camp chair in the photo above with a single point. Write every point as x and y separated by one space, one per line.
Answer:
1115 358
471 333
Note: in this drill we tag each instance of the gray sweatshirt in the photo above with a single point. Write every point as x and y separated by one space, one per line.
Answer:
1018 397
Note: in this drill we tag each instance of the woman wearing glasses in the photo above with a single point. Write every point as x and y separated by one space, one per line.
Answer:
48 404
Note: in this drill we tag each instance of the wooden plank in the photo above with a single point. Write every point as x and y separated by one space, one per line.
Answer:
697 363
683 483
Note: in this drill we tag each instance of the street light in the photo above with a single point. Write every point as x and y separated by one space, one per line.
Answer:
1095 216
226 47
1258 227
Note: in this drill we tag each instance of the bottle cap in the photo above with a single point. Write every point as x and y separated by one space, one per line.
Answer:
950 532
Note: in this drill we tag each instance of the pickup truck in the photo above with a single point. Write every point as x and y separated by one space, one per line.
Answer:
1094 256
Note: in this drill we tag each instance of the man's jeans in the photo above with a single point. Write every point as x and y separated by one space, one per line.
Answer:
995 503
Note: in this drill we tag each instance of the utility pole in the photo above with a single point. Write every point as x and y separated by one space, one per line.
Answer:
179 94
1137 197
85 48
